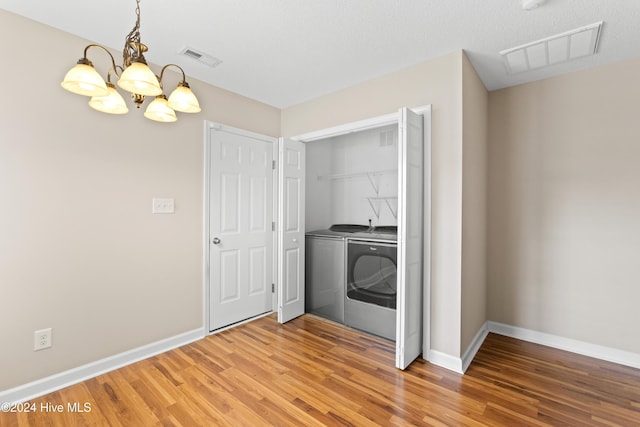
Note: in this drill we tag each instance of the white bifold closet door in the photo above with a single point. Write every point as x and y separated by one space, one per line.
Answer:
410 223
291 229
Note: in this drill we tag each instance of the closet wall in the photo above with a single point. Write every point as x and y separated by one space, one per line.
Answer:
352 179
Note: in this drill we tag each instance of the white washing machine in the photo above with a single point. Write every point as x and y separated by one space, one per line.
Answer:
325 270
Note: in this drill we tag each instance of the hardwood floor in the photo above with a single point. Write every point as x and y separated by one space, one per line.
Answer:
314 372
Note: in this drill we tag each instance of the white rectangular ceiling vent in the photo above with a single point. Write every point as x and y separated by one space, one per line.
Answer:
201 57
552 50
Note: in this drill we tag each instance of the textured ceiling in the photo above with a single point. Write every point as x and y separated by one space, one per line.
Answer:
283 52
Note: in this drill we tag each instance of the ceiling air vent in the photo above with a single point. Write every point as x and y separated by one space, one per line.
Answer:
553 50
388 137
201 57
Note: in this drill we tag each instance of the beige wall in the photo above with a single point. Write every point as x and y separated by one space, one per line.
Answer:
437 82
80 250
475 116
564 206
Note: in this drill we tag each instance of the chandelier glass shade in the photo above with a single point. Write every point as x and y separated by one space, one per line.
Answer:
183 100
135 77
160 111
113 103
83 79
138 78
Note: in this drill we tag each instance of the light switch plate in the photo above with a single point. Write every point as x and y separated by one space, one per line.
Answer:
162 206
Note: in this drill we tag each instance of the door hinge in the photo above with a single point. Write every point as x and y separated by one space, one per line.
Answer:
273 226
273 287
273 164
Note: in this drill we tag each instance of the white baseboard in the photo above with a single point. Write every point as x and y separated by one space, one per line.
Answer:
445 360
72 376
476 343
580 347
460 364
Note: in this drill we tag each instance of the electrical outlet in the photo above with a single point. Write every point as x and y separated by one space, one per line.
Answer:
41 339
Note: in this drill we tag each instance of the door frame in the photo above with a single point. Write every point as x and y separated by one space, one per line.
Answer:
208 127
385 120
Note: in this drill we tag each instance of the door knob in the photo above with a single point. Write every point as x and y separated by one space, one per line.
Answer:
216 241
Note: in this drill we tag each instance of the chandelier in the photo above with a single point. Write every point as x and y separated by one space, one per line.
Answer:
135 77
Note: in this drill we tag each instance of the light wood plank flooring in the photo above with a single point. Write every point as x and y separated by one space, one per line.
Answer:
315 372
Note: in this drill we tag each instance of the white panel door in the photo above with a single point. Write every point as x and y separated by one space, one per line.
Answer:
240 227
291 193
410 218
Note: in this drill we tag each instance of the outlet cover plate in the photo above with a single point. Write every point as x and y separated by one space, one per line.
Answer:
162 206
41 339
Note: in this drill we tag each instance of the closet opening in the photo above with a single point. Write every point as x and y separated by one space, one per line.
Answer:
351 221
366 223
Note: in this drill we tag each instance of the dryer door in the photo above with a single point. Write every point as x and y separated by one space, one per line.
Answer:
372 273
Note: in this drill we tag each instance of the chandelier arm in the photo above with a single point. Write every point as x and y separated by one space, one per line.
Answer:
115 71
113 61
184 78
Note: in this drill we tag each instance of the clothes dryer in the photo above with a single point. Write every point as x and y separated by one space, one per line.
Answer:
371 285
